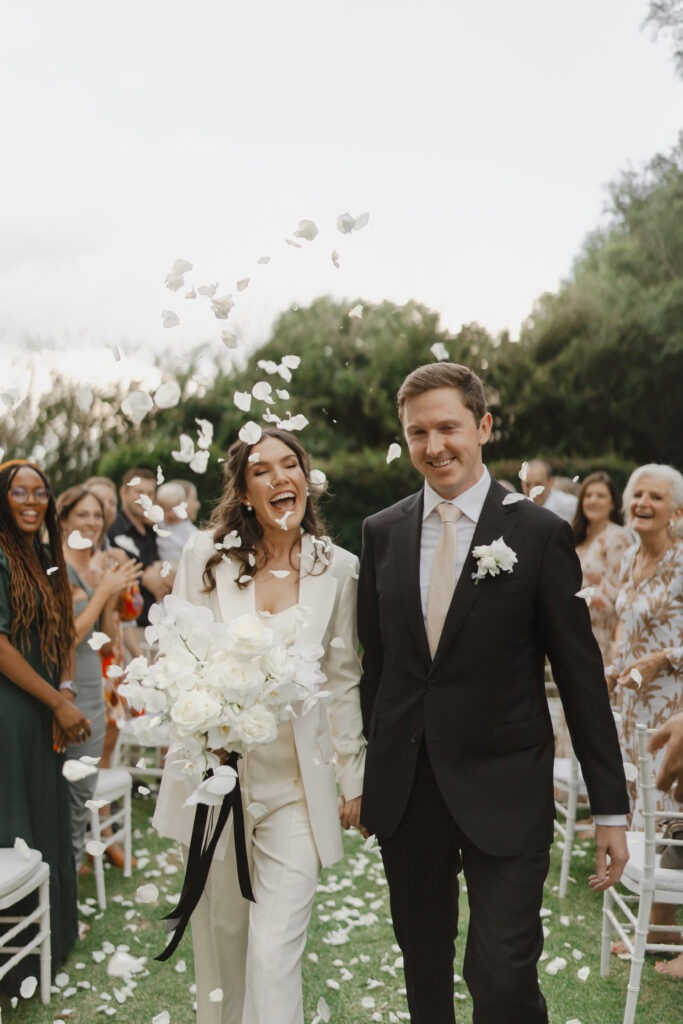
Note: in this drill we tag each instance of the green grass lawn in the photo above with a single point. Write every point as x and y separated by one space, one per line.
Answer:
352 961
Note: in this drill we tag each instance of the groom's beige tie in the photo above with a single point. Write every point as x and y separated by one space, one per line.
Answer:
442 581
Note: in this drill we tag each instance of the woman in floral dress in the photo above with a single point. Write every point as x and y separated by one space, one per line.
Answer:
601 541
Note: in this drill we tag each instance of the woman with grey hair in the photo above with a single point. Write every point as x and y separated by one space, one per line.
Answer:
647 670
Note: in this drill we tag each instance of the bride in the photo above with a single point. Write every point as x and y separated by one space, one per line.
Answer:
281 567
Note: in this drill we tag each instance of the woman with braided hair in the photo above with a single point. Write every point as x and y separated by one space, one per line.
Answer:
38 716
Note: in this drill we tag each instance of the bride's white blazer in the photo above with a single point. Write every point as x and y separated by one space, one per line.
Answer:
329 739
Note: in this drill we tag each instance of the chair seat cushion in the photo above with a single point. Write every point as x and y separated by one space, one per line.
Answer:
16 868
665 878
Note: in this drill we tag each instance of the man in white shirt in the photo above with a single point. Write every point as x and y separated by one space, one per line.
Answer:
539 474
461 595
176 529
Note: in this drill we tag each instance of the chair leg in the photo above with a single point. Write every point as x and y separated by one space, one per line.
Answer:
98 862
127 837
606 938
570 828
638 956
45 946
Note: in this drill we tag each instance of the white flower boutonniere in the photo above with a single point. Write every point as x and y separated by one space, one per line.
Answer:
492 559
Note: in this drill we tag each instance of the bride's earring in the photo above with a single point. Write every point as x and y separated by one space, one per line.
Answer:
249 508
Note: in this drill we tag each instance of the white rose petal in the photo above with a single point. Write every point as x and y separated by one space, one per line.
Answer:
394 452
630 771
221 307
279 574
199 462
582 973
208 290
127 544
323 1011
181 510
74 770
98 640
95 805
523 471
356 311
181 267
95 848
21 846
513 497
147 893
77 542
186 450
216 995
338 643
165 570
536 491
167 395
295 423
164 1017
263 260
243 283
262 391
242 400
335 258
586 594
307 229
281 393
53 568
229 339
250 433
28 987
439 350
636 676
84 398
557 964
136 405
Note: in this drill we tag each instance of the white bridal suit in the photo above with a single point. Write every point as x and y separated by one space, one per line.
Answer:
252 952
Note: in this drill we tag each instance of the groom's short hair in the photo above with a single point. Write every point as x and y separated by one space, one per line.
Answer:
445 375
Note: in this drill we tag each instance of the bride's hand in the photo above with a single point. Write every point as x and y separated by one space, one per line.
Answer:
349 813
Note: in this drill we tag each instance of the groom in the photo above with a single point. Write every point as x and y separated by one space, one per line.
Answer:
460 744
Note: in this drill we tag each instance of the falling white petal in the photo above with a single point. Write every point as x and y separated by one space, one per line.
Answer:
167 395
208 290
307 230
160 476
216 995
523 471
267 365
127 543
221 307
53 568
280 574
169 318
636 676
535 491
356 311
174 282
586 594
282 521
186 450
181 510
250 433
165 570
191 294
28 987
262 391
84 398
394 452
290 241
295 423
242 400
95 848
204 433
335 258
199 462
263 260
243 283
345 223
96 805
281 393
291 362
181 267
98 640
136 405
439 350
77 542
513 497
630 771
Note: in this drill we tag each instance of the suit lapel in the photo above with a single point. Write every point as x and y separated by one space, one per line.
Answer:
233 600
496 520
316 592
406 539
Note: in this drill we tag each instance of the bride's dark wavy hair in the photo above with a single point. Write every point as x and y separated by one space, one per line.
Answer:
230 513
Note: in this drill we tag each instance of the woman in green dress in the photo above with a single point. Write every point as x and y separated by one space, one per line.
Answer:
38 716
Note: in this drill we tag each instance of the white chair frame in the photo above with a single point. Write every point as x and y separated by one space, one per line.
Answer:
30 875
647 883
133 738
112 784
570 796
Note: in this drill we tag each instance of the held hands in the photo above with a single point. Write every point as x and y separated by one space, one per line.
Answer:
671 771
349 813
69 724
611 856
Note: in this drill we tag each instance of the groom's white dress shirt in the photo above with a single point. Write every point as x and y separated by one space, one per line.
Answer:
470 503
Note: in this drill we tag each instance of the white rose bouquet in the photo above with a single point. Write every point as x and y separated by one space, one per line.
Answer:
218 687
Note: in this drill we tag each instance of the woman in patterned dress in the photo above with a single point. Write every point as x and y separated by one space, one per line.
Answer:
647 669
601 541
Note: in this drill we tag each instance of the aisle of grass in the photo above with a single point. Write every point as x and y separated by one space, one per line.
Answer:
352 961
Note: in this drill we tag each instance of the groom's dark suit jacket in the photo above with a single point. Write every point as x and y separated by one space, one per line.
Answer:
480 705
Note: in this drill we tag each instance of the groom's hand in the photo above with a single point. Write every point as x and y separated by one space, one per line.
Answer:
611 856
349 813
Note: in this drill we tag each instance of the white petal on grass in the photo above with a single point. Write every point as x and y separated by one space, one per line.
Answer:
242 400
582 973
523 471
393 452
169 318
333 984
77 541
147 893
630 771
356 311
243 283
199 462
167 395
98 640
636 676
323 1011
94 848
74 770
208 290
221 307
535 491
557 964
250 433
439 351
216 995
586 594
21 846
307 230
338 643
162 1018
28 987
335 258
280 574
368 1003
136 405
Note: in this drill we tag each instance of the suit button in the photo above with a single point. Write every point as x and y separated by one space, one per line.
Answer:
431 685
414 738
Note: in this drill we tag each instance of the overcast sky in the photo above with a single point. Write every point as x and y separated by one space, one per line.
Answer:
479 137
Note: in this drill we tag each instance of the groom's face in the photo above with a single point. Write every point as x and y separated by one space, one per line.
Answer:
445 440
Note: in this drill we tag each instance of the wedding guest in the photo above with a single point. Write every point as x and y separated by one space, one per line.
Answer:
104 489
460 597
601 541
670 737
647 668
539 474
252 951
176 528
95 589
191 497
37 714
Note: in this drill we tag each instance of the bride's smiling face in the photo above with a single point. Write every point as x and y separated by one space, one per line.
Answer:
276 485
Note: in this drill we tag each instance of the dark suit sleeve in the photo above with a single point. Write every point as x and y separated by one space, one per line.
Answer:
578 672
369 632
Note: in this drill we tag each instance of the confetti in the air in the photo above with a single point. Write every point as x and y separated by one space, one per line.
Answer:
77 542
98 640
439 351
394 452
250 433
307 230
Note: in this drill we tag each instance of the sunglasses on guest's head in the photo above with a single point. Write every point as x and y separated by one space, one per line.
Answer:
21 494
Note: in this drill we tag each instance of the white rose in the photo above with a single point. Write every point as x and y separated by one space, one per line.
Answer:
504 555
195 710
250 637
488 564
143 698
256 725
177 668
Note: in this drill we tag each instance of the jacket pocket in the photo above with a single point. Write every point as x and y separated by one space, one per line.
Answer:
531 732
324 741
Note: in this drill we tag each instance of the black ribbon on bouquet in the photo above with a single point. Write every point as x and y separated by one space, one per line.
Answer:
200 856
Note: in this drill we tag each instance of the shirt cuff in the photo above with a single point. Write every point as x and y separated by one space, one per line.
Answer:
610 819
